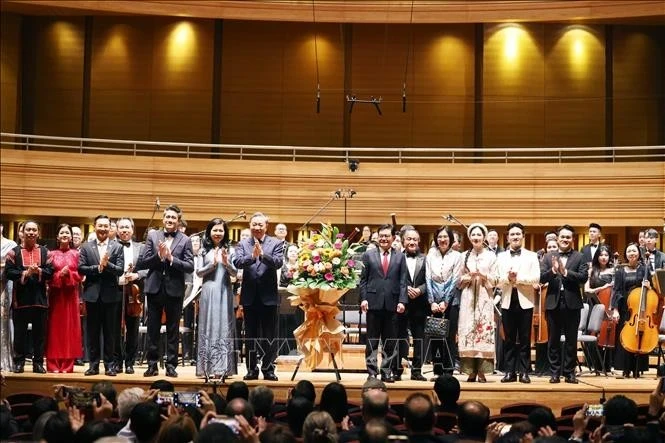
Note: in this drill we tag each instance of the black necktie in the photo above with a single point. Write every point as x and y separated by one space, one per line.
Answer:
565 254
169 234
412 254
124 243
515 252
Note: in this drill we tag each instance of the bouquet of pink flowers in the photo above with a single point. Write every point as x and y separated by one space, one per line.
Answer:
325 261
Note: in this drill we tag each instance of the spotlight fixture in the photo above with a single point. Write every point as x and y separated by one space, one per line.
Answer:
372 100
353 164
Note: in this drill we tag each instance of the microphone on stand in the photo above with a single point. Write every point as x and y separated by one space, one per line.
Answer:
157 203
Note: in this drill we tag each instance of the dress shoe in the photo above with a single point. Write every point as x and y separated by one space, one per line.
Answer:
371 377
251 375
418 377
78 362
38 368
151 371
92 370
110 372
397 377
19 368
481 378
509 377
270 376
554 379
170 372
129 369
387 379
524 378
571 379
472 378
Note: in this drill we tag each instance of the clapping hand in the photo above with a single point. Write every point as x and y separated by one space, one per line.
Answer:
258 250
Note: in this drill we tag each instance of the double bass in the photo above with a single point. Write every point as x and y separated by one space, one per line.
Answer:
640 333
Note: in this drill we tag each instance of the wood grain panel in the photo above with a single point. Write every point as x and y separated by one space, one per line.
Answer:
418 193
59 75
269 84
9 70
638 85
514 86
361 11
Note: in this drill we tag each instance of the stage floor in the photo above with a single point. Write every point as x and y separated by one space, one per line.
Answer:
493 393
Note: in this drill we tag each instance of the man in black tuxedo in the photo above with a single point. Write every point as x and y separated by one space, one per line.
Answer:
656 257
383 295
589 250
101 261
259 257
127 343
416 310
565 271
167 257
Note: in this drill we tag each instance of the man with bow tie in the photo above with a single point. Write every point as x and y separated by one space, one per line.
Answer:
518 270
101 261
565 271
127 343
167 257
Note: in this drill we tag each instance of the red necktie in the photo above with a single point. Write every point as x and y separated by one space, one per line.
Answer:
384 263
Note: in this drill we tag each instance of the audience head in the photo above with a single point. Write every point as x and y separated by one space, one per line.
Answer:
473 418
419 416
277 434
127 400
91 431
297 410
177 429
58 428
108 390
40 424
262 399
620 410
240 406
163 385
334 401
375 405
319 427
304 388
375 431
145 421
217 433
541 417
447 389
237 389
40 406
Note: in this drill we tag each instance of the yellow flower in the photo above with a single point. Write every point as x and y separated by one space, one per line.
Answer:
344 270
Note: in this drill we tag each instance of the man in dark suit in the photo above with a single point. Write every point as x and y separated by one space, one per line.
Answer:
127 343
167 257
656 257
416 310
589 250
565 271
383 295
101 261
259 257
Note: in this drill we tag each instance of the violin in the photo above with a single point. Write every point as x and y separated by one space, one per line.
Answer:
640 332
134 306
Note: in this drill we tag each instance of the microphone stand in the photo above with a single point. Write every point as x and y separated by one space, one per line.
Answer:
334 196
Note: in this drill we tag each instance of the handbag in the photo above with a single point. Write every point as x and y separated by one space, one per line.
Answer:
436 327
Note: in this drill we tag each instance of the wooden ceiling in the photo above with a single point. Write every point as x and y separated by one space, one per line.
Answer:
640 12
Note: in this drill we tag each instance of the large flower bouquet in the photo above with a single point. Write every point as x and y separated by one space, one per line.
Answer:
326 270
325 261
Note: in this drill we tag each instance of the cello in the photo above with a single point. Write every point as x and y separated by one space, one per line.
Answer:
607 333
640 333
540 331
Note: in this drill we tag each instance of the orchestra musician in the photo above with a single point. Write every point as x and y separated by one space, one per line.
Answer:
125 351
518 270
168 257
564 271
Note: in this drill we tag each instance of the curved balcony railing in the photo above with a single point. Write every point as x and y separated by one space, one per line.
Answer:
612 154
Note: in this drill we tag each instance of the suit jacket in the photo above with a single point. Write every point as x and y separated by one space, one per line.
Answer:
161 272
568 286
586 252
383 292
419 306
528 274
259 275
659 259
101 284
31 291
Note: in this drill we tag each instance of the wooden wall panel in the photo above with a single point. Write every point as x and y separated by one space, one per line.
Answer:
269 84
514 86
151 79
418 193
639 55
574 85
59 75
10 49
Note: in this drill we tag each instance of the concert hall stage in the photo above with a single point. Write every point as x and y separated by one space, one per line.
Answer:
493 393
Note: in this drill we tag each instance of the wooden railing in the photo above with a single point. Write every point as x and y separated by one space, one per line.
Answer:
31 142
